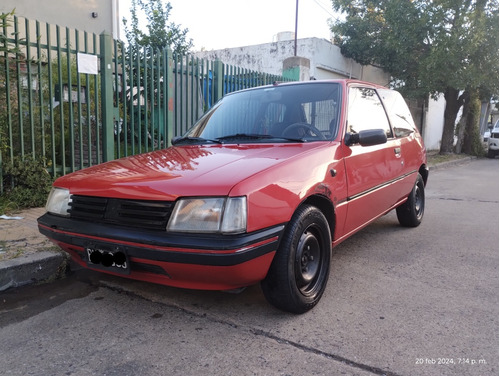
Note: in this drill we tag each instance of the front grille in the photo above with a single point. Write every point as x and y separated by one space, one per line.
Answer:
494 135
151 215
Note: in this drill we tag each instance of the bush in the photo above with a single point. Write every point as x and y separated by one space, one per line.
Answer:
26 183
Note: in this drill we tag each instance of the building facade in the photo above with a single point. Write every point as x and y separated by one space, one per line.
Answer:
93 16
326 61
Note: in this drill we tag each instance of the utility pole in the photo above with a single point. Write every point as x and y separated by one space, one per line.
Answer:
296 23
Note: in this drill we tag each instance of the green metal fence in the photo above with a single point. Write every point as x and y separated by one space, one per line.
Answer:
76 99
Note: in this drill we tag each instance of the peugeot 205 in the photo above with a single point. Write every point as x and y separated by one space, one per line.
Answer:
259 190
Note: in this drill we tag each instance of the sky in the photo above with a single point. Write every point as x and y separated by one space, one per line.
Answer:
218 24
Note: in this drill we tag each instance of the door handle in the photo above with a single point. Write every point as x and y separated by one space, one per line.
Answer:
397 151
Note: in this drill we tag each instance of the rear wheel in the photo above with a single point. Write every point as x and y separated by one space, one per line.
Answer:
299 272
410 213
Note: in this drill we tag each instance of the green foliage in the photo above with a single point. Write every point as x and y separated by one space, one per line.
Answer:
428 47
30 181
7 207
146 47
159 33
425 45
5 46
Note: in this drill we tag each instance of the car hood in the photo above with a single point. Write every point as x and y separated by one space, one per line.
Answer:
180 171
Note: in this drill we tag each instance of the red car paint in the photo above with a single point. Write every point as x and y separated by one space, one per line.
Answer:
352 185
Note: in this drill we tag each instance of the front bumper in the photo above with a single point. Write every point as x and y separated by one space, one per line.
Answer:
209 262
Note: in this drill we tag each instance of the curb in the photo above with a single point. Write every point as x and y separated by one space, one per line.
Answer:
39 267
453 162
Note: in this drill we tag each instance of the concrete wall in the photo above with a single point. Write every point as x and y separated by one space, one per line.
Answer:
326 61
75 14
434 123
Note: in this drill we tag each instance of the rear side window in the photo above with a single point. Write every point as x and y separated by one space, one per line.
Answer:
399 113
366 111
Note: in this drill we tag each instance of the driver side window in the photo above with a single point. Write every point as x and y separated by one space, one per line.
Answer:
366 111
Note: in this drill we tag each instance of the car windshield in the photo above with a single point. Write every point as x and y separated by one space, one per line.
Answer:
280 113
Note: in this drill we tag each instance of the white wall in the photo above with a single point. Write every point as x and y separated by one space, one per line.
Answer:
434 123
326 60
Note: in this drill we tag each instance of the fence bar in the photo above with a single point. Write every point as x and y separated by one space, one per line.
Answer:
29 86
19 91
124 100
69 84
169 97
41 104
62 148
116 85
131 99
98 111
87 107
79 108
107 97
146 98
8 100
52 103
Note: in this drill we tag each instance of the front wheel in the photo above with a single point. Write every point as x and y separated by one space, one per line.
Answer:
410 213
299 272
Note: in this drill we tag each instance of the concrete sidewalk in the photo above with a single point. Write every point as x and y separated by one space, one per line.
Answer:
26 256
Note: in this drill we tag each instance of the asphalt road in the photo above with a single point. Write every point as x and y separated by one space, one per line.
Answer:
399 301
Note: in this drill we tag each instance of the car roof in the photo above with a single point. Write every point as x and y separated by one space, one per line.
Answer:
343 82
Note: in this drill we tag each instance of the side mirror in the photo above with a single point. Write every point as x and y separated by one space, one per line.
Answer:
367 137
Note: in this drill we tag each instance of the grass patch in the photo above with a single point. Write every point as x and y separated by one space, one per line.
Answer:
436 158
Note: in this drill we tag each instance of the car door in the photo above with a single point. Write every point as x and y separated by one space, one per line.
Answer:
406 132
371 171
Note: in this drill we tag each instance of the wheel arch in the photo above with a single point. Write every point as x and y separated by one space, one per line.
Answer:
326 207
424 171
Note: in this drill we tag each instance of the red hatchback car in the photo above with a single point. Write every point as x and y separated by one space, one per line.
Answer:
259 190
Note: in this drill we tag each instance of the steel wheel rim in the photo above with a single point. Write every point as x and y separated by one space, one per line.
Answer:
419 202
308 263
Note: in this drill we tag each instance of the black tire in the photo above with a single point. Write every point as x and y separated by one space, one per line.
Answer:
410 213
300 269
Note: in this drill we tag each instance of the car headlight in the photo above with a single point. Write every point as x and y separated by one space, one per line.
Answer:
58 201
209 215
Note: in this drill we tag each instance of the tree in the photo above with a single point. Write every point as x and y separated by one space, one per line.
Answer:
159 33
5 46
143 50
428 47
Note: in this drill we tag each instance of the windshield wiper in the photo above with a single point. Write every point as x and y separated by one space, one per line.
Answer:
254 136
194 140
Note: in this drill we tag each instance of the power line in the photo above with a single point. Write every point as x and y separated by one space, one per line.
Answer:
323 6
326 10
